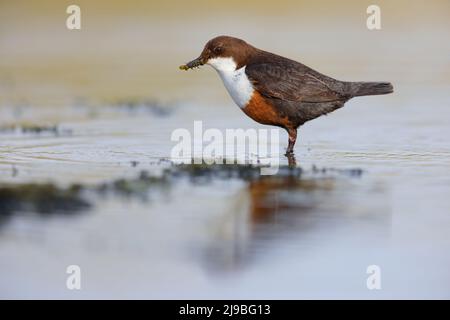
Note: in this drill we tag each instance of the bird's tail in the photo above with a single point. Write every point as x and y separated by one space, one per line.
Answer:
370 88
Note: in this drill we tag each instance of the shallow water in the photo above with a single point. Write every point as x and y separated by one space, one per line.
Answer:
232 238
383 200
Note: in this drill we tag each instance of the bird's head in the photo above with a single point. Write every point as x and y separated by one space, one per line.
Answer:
222 52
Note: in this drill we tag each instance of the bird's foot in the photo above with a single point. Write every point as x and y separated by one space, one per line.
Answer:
289 153
291 159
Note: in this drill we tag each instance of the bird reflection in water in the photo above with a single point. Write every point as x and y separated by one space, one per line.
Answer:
270 208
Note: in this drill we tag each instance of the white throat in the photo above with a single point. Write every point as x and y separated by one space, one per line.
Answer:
236 81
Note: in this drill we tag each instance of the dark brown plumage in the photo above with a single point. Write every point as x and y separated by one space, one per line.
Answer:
286 93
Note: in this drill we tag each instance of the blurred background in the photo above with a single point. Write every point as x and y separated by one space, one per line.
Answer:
86 117
131 49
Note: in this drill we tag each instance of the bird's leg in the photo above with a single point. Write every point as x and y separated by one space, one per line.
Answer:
292 138
291 160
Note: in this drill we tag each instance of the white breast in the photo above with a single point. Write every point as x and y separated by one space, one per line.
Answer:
236 81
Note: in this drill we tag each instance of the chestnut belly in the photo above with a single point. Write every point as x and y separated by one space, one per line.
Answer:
263 112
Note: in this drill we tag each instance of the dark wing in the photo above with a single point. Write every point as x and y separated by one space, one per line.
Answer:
292 81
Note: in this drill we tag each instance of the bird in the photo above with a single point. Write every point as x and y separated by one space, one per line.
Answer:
274 90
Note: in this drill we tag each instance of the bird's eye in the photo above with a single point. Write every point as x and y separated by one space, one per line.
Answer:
218 50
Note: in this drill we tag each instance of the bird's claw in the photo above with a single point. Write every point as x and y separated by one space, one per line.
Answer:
289 153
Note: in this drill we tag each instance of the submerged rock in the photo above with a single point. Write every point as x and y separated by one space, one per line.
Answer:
41 198
35 129
138 106
50 199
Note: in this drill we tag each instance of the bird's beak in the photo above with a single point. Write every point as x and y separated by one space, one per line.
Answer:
193 64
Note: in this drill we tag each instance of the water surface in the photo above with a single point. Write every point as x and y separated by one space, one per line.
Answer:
85 129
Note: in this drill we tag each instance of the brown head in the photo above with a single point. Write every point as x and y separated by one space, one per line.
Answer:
223 47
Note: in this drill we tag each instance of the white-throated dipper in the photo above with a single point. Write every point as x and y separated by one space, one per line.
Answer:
275 90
